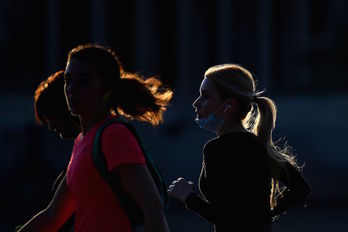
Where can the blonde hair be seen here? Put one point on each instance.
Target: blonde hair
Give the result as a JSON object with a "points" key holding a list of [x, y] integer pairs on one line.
{"points": [[257, 113]]}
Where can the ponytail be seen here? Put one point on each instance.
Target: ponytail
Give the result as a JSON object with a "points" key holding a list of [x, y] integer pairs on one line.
{"points": [[235, 81], [140, 99], [277, 157], [127, 94]]}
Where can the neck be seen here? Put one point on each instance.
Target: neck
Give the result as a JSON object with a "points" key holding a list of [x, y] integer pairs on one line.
{"points": [[88, 122], [231, 126]]}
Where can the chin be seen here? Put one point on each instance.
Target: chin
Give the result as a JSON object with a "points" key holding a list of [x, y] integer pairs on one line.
{"points": [[74, 112], [66, 136]]}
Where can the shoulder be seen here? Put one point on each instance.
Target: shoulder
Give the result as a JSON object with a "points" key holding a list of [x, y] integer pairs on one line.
{"points": [[236, 144], [117, 130], [119, 135], [232, 139], [120, 146]]}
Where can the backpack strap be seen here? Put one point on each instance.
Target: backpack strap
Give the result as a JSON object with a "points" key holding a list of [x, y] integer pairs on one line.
{"points": [[134, 214], [153, 168], [114, 182]]}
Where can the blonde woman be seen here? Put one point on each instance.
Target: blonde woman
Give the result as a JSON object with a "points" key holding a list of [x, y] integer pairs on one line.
{"points": [[242, 167]]}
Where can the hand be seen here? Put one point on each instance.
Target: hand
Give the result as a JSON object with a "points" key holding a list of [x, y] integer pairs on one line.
{"points": [[180, 189]]}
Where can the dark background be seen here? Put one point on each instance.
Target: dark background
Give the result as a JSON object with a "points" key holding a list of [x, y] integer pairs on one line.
{"points": [[297, 50]]}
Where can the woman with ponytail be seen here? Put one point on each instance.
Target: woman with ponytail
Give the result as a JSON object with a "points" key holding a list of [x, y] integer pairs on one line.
{"points": [[97, 89], [242, 169]]}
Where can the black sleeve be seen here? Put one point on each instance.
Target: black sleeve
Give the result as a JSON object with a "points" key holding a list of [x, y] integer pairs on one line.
{"points": [[296, 190], [197, 203], [202, 207]]}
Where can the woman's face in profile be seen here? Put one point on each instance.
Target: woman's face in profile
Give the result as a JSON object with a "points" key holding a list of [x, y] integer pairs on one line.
{"points": [[208, 100], [83, 88]]}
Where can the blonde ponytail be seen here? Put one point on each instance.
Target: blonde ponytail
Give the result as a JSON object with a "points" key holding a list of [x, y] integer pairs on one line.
{"points": [[277, 158], [233, 80]]}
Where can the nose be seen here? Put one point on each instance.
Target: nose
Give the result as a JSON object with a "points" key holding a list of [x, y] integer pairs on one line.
{"points": [[195, 104]]}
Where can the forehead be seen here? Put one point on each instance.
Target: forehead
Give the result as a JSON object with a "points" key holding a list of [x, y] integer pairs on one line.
{"points": [[208, 85], [80, 67]]}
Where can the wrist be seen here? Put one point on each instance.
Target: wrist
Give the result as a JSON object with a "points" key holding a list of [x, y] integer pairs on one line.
{"points": [[188, 196]]}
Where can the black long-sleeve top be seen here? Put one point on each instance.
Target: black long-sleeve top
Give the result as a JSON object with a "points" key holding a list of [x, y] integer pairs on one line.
{"points": [[235, 184]]}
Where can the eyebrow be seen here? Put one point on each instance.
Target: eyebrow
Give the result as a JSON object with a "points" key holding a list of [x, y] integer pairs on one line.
{"points": [[80, 74]]}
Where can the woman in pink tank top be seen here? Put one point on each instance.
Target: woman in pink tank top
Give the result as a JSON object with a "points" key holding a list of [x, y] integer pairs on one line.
{"points": [[97, 88]]}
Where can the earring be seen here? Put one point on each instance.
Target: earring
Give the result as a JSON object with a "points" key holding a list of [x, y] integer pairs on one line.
{"points": [[227, 107]]}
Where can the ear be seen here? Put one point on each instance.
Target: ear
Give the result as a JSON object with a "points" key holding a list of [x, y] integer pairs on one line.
{"points": [[230, 103], [227, 107]]}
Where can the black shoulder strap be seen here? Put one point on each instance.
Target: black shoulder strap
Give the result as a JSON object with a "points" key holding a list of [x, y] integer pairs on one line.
{"points": [[99, 159], [112, 180], [133, 212]]}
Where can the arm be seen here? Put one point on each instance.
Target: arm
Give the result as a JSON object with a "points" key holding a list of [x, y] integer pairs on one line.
{"points": [[54, 216], [297, 190], [138, 184], [183, 191], [203, 208]]}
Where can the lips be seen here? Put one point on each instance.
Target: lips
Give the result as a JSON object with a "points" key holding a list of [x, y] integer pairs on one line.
{"points": [[73, 104]]}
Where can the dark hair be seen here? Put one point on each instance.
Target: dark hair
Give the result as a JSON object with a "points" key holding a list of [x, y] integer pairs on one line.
{"points": [[49, 99], [128, 94], [105, 60]]}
